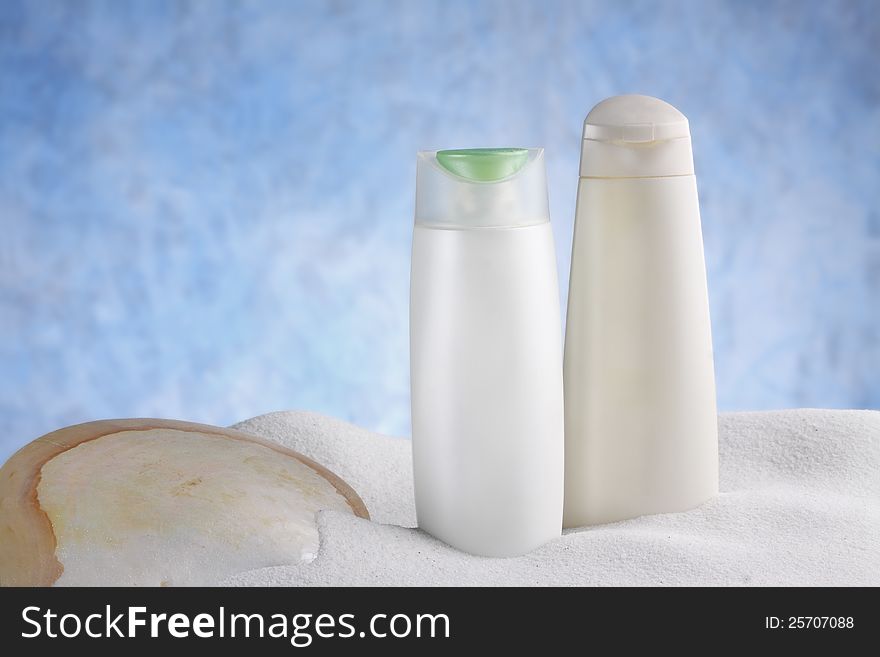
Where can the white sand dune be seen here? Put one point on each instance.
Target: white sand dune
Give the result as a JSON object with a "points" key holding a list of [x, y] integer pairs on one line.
{"points": [[800, 505]]}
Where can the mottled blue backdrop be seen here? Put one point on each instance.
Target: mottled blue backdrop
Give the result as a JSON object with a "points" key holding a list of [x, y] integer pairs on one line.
{"points": [[205, 207]]}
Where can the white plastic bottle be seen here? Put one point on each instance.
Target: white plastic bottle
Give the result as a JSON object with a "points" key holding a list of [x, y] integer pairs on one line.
{"points": [[486, 352], [640, 413]]}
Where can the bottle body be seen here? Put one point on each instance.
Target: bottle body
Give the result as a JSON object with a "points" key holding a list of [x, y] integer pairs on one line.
{"points": [[486, 380], [640, 410]]}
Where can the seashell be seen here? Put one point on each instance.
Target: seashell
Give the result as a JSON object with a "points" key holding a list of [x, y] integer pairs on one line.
{"points": [[158, 503]]}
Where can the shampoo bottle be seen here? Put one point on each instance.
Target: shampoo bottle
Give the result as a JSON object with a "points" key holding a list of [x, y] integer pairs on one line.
{"points": [[486, 352], [640, 415]]}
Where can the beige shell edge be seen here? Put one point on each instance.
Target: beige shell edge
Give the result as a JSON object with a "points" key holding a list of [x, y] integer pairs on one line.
{"points": [[27, 540]]}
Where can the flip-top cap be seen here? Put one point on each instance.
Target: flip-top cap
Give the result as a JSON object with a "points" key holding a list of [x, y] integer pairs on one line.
{"points": [[635, 136], [481, 188], [483, 164]]}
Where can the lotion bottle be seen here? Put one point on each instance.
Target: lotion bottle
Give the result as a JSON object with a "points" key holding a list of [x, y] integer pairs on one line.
{"points": [[486, 352], [640, 412]]}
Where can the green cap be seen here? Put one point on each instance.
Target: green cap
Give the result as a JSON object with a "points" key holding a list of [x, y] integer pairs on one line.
{"points": [[483, 164]]}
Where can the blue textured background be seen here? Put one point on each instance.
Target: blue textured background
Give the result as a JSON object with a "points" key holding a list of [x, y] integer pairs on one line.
{"points": [[205, 208]]}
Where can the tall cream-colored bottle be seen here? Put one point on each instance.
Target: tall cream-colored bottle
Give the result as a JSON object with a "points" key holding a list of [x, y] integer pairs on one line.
{"points": [[640, 412]]}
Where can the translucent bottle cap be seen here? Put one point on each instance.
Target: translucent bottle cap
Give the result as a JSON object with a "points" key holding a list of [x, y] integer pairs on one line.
{"points": [[636, 136], [481, 188]]}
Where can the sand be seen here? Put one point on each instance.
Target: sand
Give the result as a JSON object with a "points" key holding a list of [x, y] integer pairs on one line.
{"points": [[799, 505]]}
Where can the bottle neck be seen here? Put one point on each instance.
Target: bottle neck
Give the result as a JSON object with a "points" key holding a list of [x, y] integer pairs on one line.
{"points": [[653, 159]]}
